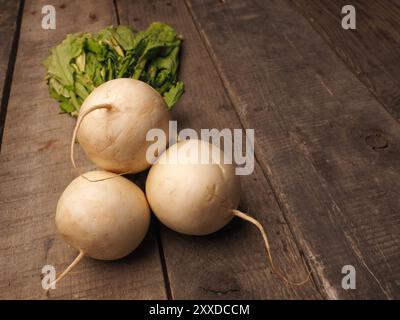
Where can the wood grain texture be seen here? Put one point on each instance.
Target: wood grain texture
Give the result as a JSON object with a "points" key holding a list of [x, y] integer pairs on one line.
{"points": [[372, 51], [9, 22], [230, 264], [35, 169], [330, 150]]}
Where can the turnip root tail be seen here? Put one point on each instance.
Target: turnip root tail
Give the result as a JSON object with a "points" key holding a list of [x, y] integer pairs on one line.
{"points": [[80, 256], [246, 217], [78, 124]]}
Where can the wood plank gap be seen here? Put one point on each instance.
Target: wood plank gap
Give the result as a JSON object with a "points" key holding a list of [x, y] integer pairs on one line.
{"points": [[10, 70], [167, 283], [115, 3]]}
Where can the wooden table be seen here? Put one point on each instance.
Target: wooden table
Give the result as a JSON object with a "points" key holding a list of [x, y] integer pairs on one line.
{"points": [[325, 106]]}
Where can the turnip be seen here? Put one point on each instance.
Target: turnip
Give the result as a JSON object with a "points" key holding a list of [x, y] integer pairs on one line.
{"points": [[192, 191], [103, 220], [113, 122]]}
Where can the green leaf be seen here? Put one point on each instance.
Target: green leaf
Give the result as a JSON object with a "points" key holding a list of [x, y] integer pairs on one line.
{"points": [[83, 61], [80, 61], [125, 37], [66, 107], [174, 94], [58, 64]]}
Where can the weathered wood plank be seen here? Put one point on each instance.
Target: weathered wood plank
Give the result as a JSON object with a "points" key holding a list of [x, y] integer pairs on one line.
{"points": [[371, 51], [230, 264], [35, 169], [9, 22], [330, 150]]}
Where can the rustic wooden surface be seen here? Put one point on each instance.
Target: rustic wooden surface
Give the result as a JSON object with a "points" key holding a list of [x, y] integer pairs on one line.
{"points": [[10, 15], [323, 103], [218, 266], [372, 52], [316, 129], [35, 170]]}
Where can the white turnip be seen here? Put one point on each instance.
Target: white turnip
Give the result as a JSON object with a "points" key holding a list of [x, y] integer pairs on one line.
{"points": [[190, 197], [192, 191], [113, 122], [104, 220]]}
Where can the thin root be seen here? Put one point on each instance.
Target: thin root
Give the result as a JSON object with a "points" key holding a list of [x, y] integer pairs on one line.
{"points": [[80, 256], [264, 235]]}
